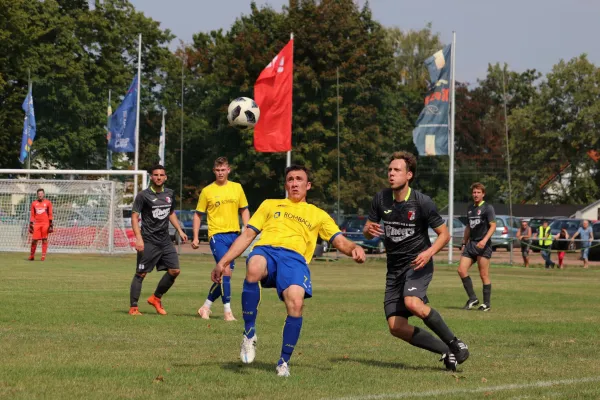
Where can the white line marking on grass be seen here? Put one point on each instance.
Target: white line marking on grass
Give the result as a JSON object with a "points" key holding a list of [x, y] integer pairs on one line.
{"points": [[432, 393]]}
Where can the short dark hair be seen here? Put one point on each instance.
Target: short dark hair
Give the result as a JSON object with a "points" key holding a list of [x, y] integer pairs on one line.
{"points": [[155, 167], [478, 185], [297, 167], [220, 161], [40, 190], [409, 159]]}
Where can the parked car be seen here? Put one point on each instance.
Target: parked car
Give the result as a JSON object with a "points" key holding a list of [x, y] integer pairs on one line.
{"points": [[458, 231], [595, 249], [571, 225], [506, 232], [186, 220], [352, 228]]}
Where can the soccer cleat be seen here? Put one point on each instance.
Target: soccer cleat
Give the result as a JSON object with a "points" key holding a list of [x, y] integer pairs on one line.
{"points": [[155, 301], [283, 370], [43, 258], [204, 312], [228, 316], [470, 304], [134, 311], [31, 258], [248, 349], [484, 307], [449, 361], [459, 350]]}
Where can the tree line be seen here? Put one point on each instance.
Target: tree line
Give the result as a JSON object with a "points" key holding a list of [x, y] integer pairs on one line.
{"points": [[77, 52]]}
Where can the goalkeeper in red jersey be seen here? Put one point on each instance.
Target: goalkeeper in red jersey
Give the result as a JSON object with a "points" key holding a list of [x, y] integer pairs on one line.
{"points": [[40, 223]]}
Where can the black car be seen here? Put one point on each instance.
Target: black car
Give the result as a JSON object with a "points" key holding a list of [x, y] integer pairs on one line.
{"points": [[595, 249]]}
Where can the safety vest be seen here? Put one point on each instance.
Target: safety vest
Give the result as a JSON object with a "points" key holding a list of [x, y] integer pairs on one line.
{"points": [[542, 234]]}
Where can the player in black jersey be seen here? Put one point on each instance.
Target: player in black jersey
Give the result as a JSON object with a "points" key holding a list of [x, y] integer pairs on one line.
{"points": [[153, 242], [477, 247], [406, 215]]}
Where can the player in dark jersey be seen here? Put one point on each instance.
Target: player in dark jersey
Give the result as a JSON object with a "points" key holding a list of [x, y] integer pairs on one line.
{"points": [[406, 215], [477, 247], [153, 242]]}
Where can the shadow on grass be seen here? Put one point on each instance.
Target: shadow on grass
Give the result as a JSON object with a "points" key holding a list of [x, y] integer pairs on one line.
{"points": [[385, 364]]}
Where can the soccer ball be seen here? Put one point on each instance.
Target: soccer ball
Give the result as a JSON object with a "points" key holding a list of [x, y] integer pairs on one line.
{"points": [[243, 112]]}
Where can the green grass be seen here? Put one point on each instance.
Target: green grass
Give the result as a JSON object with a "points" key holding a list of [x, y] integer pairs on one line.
{"points": [[65, 333]]}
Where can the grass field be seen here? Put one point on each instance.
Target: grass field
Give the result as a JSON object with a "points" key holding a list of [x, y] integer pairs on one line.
{"points": [[65, 333]]}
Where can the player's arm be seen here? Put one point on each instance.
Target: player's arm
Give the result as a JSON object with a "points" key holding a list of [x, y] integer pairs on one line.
{"points": [[490, 232], [31, 218], [196, 226], [466, 235], [245, 213], [175, 222], [237, 248], [50, 217], [425, 256], [372, 229], [135, 225], [349, 248]]}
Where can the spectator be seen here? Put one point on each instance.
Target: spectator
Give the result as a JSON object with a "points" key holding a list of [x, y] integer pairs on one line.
{"points": [[586, 235]]}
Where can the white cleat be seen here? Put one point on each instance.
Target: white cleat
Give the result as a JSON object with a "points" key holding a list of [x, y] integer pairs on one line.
{"points": [[283, 370], [228, 316], [248, 349], [204, 312]]}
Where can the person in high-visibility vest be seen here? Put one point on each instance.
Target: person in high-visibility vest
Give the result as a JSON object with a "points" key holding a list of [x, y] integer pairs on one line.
{"points": [[545, 242]]}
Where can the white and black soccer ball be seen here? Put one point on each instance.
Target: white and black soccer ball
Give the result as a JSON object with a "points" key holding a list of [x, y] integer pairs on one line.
{"points": [[243, 112]]}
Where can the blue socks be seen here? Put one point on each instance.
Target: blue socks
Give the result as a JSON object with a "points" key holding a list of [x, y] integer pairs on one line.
{"points": [[226, 289], [250, 300], [215, 292], [291, 333]]}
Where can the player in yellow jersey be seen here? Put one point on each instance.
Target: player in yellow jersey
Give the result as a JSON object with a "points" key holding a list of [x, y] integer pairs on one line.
{"points": [[289, 231], [221, 201]]}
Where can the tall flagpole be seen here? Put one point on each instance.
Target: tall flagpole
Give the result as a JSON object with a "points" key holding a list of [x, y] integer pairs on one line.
{"points": [[508, 164], [137, 119], [451, 151], [337, 89], [288, 160], [29, 90], [181, 142]]}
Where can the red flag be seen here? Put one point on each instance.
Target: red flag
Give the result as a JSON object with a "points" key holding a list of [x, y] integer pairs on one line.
{"points": [[273, 94]]}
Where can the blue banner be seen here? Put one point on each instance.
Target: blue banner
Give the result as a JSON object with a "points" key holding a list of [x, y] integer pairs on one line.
{"points": [[431, 134], [121, 125], [29, 127]]}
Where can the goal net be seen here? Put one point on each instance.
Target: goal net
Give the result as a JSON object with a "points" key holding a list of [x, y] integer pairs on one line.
{"points": [[88, 215]]}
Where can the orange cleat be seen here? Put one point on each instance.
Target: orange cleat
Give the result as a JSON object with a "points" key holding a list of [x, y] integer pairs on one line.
{"points": [[155, 301], [31, 258], [43, 258], [134, 311]]}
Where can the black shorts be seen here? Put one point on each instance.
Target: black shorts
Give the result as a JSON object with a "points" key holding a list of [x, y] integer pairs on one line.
{"points": [[471, 251], [401, 283], [162, 256]]}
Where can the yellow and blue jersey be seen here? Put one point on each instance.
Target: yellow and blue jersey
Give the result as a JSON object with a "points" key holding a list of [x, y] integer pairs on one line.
{"points": [[292, 226], [221, 203]]}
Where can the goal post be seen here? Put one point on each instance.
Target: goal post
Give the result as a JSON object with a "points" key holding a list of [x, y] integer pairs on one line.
{"points": [[87, 213]]}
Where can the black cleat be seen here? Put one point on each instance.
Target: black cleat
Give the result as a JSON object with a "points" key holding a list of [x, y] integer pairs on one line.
{"points": [[459, 350], [471, 304], [449, 361], [484, 307]]}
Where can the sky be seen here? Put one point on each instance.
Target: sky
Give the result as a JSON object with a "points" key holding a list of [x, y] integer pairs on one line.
{"points": [[522, 33]]}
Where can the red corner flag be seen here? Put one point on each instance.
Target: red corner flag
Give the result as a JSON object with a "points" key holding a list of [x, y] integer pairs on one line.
{"points": [[273, 94]]}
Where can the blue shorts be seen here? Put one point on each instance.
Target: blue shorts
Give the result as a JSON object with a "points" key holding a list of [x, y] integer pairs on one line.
{"points": [[220, 244], [585, 253], [284, 269]]}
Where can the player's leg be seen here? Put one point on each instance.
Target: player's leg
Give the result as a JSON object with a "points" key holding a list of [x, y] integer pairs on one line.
{"points": [[33, 248], [224, 246], [37, 235], [483, 262], [257, 269], [145, 262], [44, 230], [293, 286], [466, 261], [215, 290], [168, 261]]}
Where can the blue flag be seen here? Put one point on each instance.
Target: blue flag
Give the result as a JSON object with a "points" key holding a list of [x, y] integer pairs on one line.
{"points": [[431, 134], [29, 127], [121, 125]]}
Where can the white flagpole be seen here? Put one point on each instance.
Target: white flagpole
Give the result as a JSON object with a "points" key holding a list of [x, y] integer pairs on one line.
{"points": [[451, 151], [162, 139], [137, 119], [29, 91], [510, 210], [288, 160]]}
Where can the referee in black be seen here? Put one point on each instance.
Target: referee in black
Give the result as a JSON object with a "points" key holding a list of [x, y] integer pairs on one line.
{"points": [[156, 205], [477, 247], [406, 215]]}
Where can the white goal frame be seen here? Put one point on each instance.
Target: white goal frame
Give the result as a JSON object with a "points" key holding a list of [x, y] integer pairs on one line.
{"points": [[99, 173]]}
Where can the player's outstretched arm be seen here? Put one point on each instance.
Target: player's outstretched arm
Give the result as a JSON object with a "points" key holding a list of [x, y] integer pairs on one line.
{"points": [[349, 248], [237, 248]]}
